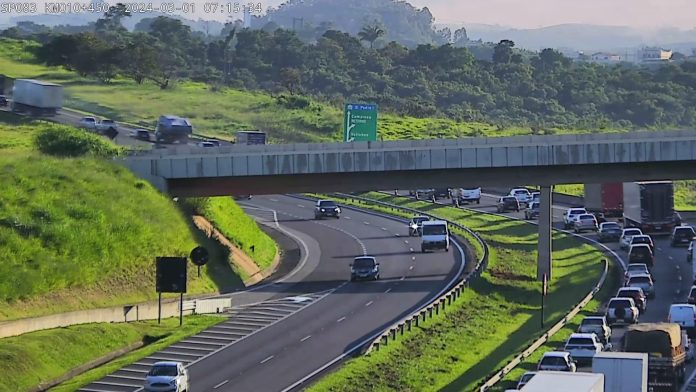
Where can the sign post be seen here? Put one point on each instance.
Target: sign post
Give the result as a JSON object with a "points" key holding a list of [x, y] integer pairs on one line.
{"points": [[170, 278], [544, 290], [360, 122]]}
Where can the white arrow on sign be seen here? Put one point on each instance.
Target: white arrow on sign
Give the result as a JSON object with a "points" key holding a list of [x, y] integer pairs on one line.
{"points": [[349, 127]]}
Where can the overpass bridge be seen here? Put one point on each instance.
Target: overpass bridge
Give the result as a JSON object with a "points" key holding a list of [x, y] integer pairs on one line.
{"points": [[504, 161]]}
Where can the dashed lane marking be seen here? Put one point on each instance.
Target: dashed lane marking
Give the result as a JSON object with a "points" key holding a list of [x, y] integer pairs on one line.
{"points": [[267, 359], [305, 338], [369, 303], [221, 384], [341, 319]]}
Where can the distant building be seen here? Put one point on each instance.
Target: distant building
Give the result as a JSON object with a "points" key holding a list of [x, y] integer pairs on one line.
{"points": [[606, 58], [649, 54]]}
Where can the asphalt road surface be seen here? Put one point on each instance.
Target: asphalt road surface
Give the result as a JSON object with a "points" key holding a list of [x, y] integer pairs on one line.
{"points": [[280, 333]]}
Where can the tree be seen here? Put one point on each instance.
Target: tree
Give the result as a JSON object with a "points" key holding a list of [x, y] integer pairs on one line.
{"points": [[141, 58], [460, 36], [502, 53], [111, 22], [290, 78], [371, 33]]}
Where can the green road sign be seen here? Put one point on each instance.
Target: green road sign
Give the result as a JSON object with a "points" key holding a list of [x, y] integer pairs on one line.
{"points": [[360, 123]]}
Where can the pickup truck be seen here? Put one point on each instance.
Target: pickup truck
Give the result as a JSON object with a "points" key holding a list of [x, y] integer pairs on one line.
{"points": [[597, 325], [583, 347], [106, 125]]}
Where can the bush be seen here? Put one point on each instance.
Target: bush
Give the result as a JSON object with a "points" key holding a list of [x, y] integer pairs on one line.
{"points": [[293, 102], [66, 141]]}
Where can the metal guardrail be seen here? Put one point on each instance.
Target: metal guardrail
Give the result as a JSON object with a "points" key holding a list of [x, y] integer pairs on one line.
{"points": [[207, 306], [438, 304], [497, 377]]}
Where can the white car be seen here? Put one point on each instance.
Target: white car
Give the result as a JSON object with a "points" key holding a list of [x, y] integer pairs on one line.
{"points": [[559, 361], [684, 315], [205, 144], [644, 281], [167, 377], [522, 195], [585, 222], [627, 236], [583, 347], [466, 195], [636, 269], [106, 124], [622, 310], [89, 123], [571, 215]]}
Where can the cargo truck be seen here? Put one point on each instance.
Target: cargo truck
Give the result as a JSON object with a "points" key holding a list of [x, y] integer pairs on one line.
{"points": [[649, 206], [171, 129], [250, 138], [36, 97], [606, 198], [623, 372], [566, 382], [666, 353]]}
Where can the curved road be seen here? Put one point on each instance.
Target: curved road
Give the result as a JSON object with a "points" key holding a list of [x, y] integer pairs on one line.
{"points": [[281, 333]]}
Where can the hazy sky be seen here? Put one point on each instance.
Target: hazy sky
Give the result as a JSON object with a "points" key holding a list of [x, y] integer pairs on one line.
{"points": [[537, 13]]}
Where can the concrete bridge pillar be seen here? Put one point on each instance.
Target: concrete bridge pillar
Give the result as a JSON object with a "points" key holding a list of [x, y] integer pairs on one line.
{"points": [[545, 225]]}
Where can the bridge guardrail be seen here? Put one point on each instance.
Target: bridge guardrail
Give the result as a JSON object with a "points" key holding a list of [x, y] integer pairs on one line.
{"points": [[442, 301]]}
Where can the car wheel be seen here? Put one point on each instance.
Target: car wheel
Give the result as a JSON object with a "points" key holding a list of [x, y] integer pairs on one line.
{"points": [[478, 201], [422, 250], [377, 277], [447, 249]]}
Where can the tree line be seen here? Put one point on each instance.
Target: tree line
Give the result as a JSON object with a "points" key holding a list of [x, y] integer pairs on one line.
{"points": [[514, 87]]}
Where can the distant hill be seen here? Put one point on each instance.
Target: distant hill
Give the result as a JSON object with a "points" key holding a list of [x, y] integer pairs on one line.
{"points": [[402, 21]]}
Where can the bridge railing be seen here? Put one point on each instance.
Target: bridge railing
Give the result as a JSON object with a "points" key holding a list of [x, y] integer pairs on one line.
{"points": [[444, 299]]}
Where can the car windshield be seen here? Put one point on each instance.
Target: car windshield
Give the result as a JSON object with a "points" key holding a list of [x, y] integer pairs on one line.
{"points": [[640, 240], [586, 217], [620, 302], [434, 230], [628, 293], [521, 192], [534, 205], [163, 370], [640, 280], [576, 212], [640, 250], [611, 226], [143, 133], [364, 263], [327, 203], [692, 293], [88, 119], [592, 321], [526, 377], [685, 232], [420, 219], [579, 342], [553, 361], [637, 268], [471, 189], [632, 232], [107, 121], [509, 200]]}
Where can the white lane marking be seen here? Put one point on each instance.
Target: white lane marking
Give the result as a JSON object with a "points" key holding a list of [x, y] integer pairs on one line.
{"points": [[274, 200], [301, 206], [221, 384], [670, 257], [403, 278], [347, 217], [367, 223], [678, 267], [384, 229], [413, 257], [369, 303], [411, 249], [388, 290], [410, 268], [658, 248], [679, 277], [397, 234], [341, 319], [267, 359], [305, 338], [406, 241]]}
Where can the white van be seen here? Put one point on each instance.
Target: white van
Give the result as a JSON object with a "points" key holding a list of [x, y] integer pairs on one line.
{"points": [[684, 315], [435, 235]]}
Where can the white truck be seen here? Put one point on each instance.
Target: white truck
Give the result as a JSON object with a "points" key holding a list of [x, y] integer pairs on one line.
{"points": [[566, 382], [623, 372], [36, 97]]}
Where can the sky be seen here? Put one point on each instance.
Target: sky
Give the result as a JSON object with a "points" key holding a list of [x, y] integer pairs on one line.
{"points": [[540, 13]]}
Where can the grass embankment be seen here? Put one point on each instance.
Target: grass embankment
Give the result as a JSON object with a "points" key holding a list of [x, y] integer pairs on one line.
{"points": [[243, 231], [38, 357], [80, 233], [233, 110], [495, 319]]}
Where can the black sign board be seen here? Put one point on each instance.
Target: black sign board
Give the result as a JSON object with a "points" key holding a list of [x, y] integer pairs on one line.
{"points": [[171, 275], [199, 256]]}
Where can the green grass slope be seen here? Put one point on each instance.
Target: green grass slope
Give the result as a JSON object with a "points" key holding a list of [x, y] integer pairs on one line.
{"points": [[497, 317], [81, 232], [38, 357]]}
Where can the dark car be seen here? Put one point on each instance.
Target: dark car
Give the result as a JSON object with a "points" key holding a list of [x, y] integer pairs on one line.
{"points": [[643, 239], [599, 216], [415, 226], [641, 253], [508, 203], [326, 208], [682, 235], [638, 297], [609, 232], [3, 100], [532, 211], [364, 268], [690, 252], [692, 296], [140, 134], [441, 193]]}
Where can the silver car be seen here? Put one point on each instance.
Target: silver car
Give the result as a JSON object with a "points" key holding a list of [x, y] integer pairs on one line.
{"points": [[627, 236], [167, 377], [622, 310], [585, 222], [644, 281]]}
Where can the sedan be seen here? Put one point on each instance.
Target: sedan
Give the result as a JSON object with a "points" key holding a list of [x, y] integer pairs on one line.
{"points": [[167, 376], [3, 100], [644, 281], [140, 134], [626, 235], [585, 222], [609, 232]]}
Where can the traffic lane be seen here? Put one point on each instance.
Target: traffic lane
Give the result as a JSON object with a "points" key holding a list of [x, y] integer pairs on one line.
{"points": [[123, 138], [330, 323]]}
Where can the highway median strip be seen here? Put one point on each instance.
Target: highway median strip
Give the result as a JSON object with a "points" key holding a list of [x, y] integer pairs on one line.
{"points": [[495, 318]]}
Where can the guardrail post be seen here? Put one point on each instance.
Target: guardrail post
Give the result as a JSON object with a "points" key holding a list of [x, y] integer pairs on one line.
{"points": [[393, 333], [408, 323], [376, 346], [430, 312], [401, 329], [386, 339]]}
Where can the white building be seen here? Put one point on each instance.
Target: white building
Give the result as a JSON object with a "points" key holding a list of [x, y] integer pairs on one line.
{"points": [[606, 58], [655, 54]]}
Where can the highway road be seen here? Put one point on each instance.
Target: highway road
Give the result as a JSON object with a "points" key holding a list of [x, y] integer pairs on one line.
{"points": [[672, 273], [283, 332]]}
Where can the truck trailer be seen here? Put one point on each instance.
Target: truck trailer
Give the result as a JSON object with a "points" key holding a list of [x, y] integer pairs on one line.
{"points": [[251, 138], [623, 372], [649, 206], [663, 342], [566, 382], [606, 198], [36, 97]]}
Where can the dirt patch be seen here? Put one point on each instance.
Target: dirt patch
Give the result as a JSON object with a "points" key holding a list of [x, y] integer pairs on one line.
{"points": [[507, 275], [237, 257]]}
